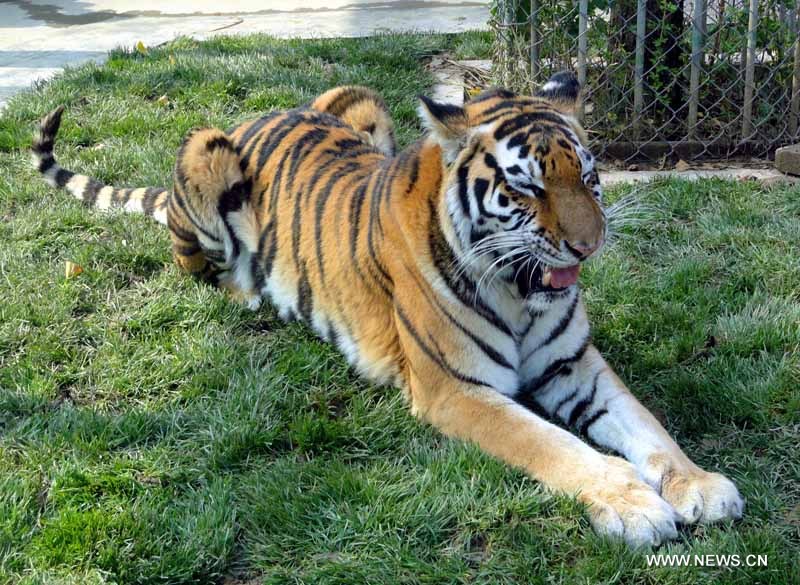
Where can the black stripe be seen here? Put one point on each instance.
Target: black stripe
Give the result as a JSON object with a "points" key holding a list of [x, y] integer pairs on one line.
{"points": [[564, 400], [442, 111], [535, 315], [558, 330], [463, 190], [231, 201], [234, 197], [261, 263], [63, 177], [436, 356], [179, 231], [46, 163], [149, 199], [463, 180], [90, 191], [529, 119], [583, 404], [515, 104], [318, 173], [559, 367], [251, 132], [378, 271], [121, 196], [345, 144], [189, 250], [216, 256], [584, 429], [305, 300], [219, 142], [276, 183], [356, 204], [412, 154], [182, 203], [490, 351], [274, 140], [43, 147], [462, 287], [296, 230], [322, 199], [495, 92], [305, 144], [345, 100]]}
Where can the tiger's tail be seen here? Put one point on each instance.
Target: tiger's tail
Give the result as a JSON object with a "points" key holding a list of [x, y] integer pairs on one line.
{"points": [[151, 201]]}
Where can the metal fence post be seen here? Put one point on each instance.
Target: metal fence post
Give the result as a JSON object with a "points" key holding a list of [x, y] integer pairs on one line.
{"points": [[638, 82], [698, 40], [749, 73], [534, 17], [583, 20], [506, 10], [623, 52], [794, 108]]}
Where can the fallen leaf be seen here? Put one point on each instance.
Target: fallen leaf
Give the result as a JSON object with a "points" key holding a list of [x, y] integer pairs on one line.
{"points": [[172, 60], [163, 100], [141, 48], [72, 270], [682, 165]]}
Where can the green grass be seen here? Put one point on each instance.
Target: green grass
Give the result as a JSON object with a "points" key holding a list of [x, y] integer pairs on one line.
{"points": [[153, 432]]}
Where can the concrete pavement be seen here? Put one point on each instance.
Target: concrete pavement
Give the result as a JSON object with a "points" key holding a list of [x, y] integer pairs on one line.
{"points": [[39, 37]]}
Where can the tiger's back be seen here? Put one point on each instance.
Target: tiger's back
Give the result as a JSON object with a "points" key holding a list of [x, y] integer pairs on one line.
{"points": [[282, 206]]}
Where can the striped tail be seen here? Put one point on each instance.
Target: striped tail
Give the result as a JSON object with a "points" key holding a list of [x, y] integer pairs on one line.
{"points": [[151, 201]]}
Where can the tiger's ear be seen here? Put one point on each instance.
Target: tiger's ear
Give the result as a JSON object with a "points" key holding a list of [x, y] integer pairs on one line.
{"points": [[562, 90], [447, 124]]}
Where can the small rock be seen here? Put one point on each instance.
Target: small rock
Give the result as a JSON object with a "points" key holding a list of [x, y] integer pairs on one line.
{"points": [[787, 159]]}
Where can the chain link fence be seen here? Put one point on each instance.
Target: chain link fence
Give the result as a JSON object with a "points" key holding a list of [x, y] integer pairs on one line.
{"points": [[663, 79]]}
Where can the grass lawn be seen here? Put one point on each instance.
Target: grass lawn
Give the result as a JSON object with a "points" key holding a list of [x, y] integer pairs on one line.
{"points": [[153, 432]]}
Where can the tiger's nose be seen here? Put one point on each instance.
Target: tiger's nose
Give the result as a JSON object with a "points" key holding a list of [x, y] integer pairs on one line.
{"points": [[582, 250]]}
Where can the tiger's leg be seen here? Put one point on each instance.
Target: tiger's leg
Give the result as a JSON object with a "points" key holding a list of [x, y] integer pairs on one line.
{"points": [[592, 399], [444, 391], [212, 224], [363, 110], [192, 259]]}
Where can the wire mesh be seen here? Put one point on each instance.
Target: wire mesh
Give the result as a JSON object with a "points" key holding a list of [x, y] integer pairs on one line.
{"points": [[663, 79]]}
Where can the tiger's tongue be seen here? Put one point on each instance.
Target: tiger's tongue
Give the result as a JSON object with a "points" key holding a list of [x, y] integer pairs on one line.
{"points": [[564, 277]]}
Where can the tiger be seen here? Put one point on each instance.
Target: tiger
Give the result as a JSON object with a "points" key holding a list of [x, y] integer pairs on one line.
{"points": [[449, 270]]}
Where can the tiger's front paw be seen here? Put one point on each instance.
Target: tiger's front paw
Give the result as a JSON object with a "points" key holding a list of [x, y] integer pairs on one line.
{"points": [[705, 498], [621, 505], [697, 495]]}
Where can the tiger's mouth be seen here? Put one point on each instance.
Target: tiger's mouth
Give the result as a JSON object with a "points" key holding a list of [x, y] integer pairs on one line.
{"points": [[560, 278], [546, 279]]}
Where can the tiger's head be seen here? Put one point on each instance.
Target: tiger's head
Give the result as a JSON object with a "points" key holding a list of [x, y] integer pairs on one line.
{"points": [[521, 189]]}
